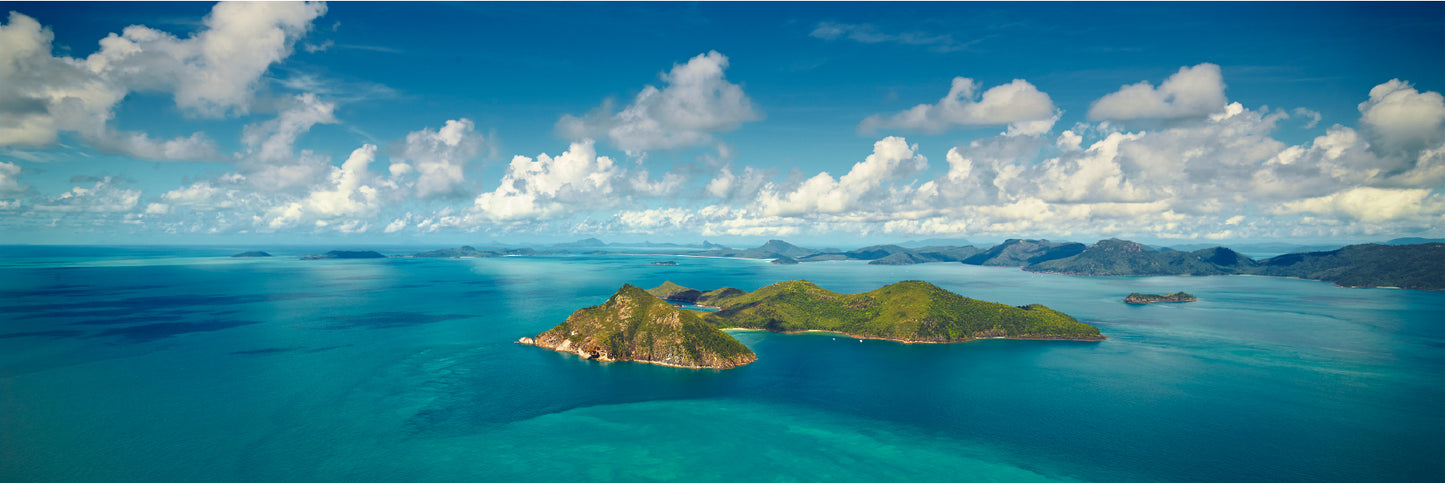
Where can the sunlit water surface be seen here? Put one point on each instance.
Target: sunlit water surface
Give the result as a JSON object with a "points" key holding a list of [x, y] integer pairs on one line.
{"points": [[169, 364]]}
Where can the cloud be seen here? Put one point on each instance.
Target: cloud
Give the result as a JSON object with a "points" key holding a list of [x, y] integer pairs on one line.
{"points": [[869, 34], [1210, 177], [440, 157], [545, 187], [696, 101], [196, 147], [737, 186], [274, 140], [1191, 92], [10, 178], [642, 184], [1370, 204], [1021, 105], [1400, 118], [270, 161], [1313, 116], [208, 196], [652, 220], [41, 95], [1069, 141], [216, 71], [399, 224], [213, 73], [102, 197], [345, 200], [893, 158]]}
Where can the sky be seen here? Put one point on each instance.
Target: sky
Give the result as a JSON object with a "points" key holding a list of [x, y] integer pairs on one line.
{"points": [[839, 124]]}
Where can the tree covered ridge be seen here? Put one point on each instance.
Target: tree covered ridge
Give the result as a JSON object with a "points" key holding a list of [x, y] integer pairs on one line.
{"points": [[913, 311]]}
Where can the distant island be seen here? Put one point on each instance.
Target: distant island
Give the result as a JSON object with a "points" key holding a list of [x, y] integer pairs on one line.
{"points": [[784, 260], [466, 251], [665, 263], [635, 326], [640, 325], [251, 254], [786, 253], [1137, 298], [337, 254], [1418, 266], [1407, 263]]}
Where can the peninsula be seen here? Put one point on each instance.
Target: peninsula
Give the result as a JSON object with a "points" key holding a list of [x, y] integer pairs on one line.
{"points": [[1137, 298], [251, 254]]}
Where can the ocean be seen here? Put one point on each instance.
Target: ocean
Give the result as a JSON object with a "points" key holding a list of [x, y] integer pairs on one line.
{"points": [[183, 364]]}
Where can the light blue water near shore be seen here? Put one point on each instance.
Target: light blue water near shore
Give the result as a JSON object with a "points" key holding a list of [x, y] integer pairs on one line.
{"points": [[180, 364]]}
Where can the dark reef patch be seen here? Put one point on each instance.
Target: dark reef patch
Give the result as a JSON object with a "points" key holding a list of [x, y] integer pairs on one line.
{"points": [[150, 332], [386, 320]]}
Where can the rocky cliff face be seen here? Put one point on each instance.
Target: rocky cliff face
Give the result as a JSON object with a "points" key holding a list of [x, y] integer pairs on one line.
{"points": [[636, 326]]}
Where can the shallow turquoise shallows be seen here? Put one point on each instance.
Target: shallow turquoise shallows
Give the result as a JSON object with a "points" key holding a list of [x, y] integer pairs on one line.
{"points": [[182, 364]]}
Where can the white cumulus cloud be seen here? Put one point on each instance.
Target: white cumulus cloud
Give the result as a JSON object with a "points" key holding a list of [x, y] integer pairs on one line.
{"points": [[440, 157], [346, 199], [893, 158], [10, 178], [105, 196], [696, 101], [1402, 118], [212, 73], [1019, 104], [1191, 92], [546, 186], [1369, 204], [215, 71]]}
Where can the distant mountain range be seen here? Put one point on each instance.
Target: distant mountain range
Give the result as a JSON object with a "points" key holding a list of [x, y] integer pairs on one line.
{"points": [[1281, 247], [1413, 266], [1412, 263], [875, 255], [596, 244]]}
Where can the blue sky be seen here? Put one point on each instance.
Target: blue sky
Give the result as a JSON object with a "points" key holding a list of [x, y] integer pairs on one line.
{"points": [[831, 123]]}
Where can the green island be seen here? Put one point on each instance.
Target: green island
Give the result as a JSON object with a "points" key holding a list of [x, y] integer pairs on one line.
{"points": [[636, 326], [343, 254], [909, 311], [1137, 298], [641, 325]]}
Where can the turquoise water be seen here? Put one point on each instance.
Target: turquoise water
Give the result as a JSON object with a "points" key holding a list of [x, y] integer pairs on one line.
{"points": [[167, 364]]}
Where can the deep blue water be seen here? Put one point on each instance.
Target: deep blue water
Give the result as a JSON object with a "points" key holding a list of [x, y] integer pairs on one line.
{"points": [[171, 364]]}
